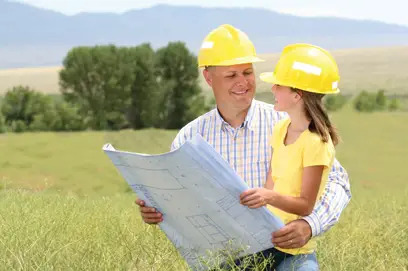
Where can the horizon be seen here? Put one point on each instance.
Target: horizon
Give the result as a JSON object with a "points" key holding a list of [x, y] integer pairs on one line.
{"points": [[314, 8]]}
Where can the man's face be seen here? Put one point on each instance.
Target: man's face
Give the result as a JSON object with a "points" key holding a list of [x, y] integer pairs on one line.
{"points": [[233, 86]]}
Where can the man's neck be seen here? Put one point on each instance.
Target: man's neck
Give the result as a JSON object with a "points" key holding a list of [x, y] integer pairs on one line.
{"points": [[235, 118]]}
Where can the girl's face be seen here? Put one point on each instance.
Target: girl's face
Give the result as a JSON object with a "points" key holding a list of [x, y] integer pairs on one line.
{"points": [[285, 98]]}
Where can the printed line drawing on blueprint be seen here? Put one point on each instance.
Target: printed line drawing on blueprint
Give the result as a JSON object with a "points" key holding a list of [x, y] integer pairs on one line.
{"points": [[209, 229], [197, 192]]}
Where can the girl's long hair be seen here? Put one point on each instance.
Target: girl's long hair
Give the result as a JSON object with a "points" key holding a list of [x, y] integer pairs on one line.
{"points": [[319, 119]]}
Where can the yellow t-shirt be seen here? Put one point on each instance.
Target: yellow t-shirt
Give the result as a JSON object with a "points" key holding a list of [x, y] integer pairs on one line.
{"points": [[287, 169]]}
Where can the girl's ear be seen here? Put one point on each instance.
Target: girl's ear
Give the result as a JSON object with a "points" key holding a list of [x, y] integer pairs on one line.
{"points": [[298, 95]]}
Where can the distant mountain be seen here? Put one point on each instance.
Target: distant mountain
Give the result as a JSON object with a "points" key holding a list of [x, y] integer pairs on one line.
{"points": [[30, 36]]}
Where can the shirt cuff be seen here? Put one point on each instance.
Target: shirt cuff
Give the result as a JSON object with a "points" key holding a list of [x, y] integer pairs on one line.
{"points": [[314, 224]]}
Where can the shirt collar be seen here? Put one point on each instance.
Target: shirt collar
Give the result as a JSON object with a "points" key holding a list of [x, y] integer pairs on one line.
{"points": [[251, 116], [248, 122]]}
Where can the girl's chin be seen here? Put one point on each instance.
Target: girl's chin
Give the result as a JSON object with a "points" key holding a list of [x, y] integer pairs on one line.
{"points": [[276, 107]]}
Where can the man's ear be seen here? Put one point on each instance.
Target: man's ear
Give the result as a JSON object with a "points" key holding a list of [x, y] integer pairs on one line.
{"points": [[208, 77]]}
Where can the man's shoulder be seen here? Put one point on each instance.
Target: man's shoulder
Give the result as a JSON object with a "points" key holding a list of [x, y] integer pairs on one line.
{"points": [[197, 122], [265, 106], [268, 113], [193, 127], [208, 116]]}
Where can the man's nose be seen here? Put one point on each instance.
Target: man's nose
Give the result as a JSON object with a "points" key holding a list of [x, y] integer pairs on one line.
{"points": [[242, 80]]}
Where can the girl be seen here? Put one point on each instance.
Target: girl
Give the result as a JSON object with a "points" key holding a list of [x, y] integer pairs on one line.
{"points": [[303, 144]]}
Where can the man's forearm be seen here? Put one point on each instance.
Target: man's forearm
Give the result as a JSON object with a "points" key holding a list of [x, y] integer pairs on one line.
{"points": [[328, 209]]}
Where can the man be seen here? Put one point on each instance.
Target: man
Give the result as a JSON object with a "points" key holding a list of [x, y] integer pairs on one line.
{"points": [[239, 129]]}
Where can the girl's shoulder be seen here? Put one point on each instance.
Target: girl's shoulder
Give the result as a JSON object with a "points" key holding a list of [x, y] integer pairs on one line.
{"points": [[316, 152], [314, 141], [281, 125], [279, 132]]}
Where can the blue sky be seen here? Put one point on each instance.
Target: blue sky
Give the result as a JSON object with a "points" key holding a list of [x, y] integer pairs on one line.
{"points": [[391, 11]]}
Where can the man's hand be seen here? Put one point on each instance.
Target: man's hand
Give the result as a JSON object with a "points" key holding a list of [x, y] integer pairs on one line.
{"points": [[149, 214], [295, 234]]}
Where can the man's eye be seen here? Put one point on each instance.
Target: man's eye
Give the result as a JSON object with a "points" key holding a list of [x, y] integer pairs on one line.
{"points": [[247, 73], [231, 76]]}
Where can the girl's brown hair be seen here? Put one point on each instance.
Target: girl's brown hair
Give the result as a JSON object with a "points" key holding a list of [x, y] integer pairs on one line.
{"points": [[319, 119]]}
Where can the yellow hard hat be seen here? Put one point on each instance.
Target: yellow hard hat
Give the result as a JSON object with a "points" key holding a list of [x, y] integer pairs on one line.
{"points": [[306, 67], [226, 46]]}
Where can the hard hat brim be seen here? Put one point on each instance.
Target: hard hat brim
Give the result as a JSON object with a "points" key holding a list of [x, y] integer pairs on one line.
{"points": [[235, 61], [269, 77]]}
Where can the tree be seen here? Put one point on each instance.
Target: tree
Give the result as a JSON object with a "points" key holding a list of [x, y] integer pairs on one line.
{"points": [[98, 79], [143, 91], [68, 118], [62, 117], [365, 102], [177, 75], [334, 102], [46, 121], [381, 100], [3, 126], [394, 104], [18, 126], [22, 106]]}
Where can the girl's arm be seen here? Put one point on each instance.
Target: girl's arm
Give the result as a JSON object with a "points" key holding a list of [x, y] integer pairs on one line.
{"points": [[269, 181], [304, 204]]}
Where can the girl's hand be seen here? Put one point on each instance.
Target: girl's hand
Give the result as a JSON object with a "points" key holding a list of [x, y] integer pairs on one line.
{"points": [[256, 197]]}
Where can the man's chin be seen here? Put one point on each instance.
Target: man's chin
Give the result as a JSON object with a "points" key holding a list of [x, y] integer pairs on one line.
{"points": [[244, 102], [244, 98]]}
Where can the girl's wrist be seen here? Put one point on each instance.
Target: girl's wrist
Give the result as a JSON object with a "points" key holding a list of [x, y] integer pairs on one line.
{"points": [[271, 199]]}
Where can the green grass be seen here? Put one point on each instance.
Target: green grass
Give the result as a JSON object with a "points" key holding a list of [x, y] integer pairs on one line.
{"points": [[72, 212], [72, 162], [47, 231], [373, 151], [372, 235]]}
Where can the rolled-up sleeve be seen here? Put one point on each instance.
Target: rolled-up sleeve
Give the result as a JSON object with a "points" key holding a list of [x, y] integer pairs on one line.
{"points": [[335, 198]]}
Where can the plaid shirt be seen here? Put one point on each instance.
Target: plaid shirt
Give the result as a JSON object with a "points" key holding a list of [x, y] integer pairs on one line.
{"points": [[247, 150]]}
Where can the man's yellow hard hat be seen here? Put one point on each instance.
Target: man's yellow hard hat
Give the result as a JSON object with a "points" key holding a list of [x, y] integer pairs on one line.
{"points": [[226, 46], [306, 67]]}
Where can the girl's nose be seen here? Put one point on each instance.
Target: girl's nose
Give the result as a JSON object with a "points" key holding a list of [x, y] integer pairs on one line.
{"points": [[273, 88]]}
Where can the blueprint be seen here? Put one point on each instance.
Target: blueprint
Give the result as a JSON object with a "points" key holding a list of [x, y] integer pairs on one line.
{"points": [[197, 192]]}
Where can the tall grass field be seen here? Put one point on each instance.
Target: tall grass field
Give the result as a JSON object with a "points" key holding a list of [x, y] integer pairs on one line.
{"points": [[63, 206]]}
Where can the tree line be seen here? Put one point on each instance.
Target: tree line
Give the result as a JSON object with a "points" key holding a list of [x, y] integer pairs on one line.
{"points": [[111, 88], [364, 102]]}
